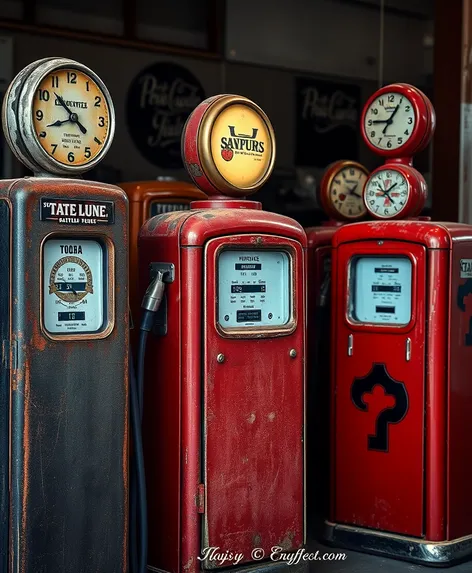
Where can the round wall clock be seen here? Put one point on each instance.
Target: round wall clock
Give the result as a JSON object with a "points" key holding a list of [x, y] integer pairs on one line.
{"points": [[58, 117], [341, 190], [398, 120], [395, 191]]}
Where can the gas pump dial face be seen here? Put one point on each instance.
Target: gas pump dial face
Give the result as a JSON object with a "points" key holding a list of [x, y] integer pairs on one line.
{"points": [[74, 286]]}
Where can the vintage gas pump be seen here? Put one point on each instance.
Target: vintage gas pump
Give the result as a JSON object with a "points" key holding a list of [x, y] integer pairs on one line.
{"points": [[146, 199], [225, 370], [402, 352], [64, 329], [340, 196]]}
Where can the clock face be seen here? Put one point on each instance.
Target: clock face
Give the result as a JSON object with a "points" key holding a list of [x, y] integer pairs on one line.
{"points": [[71, 117], [386, 193], [389, 121], [345, 191]]}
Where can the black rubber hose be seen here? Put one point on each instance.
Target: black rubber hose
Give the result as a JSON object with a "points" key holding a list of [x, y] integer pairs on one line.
{"points": [[138, 505]]}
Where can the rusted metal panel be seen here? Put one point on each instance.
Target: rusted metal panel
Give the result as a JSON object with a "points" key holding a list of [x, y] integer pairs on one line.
{"points": [[174, 385], [253, 423], [69, 402]]}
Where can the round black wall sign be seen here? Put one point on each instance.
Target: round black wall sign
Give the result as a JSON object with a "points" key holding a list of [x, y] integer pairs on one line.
{"points": [[160, 99]]}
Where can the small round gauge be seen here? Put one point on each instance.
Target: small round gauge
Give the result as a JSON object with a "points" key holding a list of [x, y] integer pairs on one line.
{"points": [[394, 191], [63, 116], [397, 121], [71, 279], [341, 190]]}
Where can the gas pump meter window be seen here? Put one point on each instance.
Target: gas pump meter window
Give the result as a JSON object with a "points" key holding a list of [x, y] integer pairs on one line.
{"points": [[74, 286], [380, 290], [254, 289]]}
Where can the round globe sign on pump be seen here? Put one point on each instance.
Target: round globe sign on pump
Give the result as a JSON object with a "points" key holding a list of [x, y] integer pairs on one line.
{"points": [[228, 145]]}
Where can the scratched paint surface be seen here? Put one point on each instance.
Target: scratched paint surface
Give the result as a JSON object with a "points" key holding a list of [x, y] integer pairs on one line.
{"points": [[253, 426], [69, 404]]}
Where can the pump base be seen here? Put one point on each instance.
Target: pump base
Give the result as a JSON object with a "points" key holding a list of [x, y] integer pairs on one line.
{"points": [[265, 567], [431, 554]]}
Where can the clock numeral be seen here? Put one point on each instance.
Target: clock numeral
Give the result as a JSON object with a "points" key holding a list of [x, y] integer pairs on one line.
{"points": [[43, 95], [376, 208], [406, 132], [98, 99], [410, 120], [372, 134], [101, 121], [395, 207], [337, 181], [400, 140], [407, 108], [389, 144], [371, 202], [350, 211], [71, 157], [42, 134], [385, 211], [375, 111], [87, 86], [351, 171], [381, 102], [71, 78], [380, 139], [359, 207], [87, 152], [55, 81], [39, 115], [389, 175], [54, 147], [344, 175], [391, 98], [369, 123]]}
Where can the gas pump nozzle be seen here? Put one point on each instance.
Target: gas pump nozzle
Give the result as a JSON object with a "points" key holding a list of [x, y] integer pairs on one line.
{"points": [[152, 300]]}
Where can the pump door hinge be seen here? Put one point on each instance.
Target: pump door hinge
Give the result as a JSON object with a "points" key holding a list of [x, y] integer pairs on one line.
{"points": [[201, 498]]}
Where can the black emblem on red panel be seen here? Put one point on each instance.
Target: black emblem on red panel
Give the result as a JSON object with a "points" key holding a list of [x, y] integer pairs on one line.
{"points": [[379, 376]]}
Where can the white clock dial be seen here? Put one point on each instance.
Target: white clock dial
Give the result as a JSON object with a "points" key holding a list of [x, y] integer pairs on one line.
{"points": [[386, 193], [346, 191], [389, 121]]}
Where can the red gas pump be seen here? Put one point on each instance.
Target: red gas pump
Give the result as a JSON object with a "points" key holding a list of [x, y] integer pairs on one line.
{"points": [[340, 196], [401, 340], [225, 368]]}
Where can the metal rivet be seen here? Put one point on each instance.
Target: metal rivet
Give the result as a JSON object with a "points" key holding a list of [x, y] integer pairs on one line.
{"points": [[259, 241], [380, 243], [293, 353], [220, 358]]}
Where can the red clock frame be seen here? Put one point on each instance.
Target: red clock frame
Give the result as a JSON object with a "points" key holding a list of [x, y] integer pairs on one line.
{"points": [[417, 191], [425, 121]]}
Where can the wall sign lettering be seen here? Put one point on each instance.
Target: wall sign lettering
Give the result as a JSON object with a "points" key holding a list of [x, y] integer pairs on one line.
{"points": [[327, 122], [160, 99]]}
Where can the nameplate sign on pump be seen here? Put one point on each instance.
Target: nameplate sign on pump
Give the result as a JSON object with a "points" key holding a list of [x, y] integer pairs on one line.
{"points": [[77, 212]]}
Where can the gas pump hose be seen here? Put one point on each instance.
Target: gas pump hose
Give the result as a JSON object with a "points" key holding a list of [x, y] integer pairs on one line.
{"points": [[138, 506]]}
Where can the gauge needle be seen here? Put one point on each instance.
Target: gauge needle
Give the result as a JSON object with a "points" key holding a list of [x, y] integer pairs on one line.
{"points": [[72, 116]]}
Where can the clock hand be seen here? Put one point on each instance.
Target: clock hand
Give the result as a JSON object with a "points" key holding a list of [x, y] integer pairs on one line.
{"points": [[380, 121], [57, 123], [72, 116], [390, 119], [63, 103]]}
